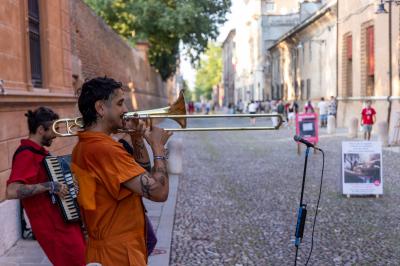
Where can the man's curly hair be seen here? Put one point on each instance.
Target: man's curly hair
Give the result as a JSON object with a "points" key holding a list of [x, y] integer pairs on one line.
{"points": [[100, 88]]}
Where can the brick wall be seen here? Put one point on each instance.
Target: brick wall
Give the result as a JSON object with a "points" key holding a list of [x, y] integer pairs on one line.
{"points": [[99, 51], [19, 94], [78, 45]]}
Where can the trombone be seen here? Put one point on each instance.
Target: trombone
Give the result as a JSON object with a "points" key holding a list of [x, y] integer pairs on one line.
{"points": [[176, 111]]}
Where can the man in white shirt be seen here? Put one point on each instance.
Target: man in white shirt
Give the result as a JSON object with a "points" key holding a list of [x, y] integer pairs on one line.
{"points": [[323, 112], [252, 110]]}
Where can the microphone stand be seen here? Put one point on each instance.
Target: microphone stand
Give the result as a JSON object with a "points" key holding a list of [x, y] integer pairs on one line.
{"points": [[302, 213]]}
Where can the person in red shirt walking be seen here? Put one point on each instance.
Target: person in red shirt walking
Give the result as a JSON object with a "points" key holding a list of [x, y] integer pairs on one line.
{"points": [[368, 117], [63, 243]]}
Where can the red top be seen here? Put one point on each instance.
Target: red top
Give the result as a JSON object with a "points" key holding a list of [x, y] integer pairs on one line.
{"points": [[63, 243], [367, 116]]}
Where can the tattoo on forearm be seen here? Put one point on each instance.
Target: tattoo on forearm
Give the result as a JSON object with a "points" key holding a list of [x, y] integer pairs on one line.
{"points": [[146, 165], [25, 191], [139, 149], [160, 174], [145, 185]]}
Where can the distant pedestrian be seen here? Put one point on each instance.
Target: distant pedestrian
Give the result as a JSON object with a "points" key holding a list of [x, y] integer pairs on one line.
{"points": [[191, 107], [197, 107], [231, 109], [296, 106], [240, 106], [267, 107], [323, 112], [291, 114], [208, 107], [368, 118], [281, 108], [252, 110], [332, 107], [308, 107]]}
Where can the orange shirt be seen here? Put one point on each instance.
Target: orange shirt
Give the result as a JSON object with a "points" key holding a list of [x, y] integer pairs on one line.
{"points": [[114, 215]]}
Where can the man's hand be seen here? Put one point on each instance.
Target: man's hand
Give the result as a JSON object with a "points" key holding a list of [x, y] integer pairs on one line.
{"points": [[137, 127], [59, 189], [76, 186], [157, 137]]}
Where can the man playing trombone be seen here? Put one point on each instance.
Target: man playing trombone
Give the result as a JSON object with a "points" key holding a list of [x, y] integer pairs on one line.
{"points": [[111, 182]]}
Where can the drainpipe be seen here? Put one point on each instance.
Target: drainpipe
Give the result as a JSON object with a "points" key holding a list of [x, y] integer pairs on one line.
{"points": [[337, 49], [2, 90], [390, 64]]}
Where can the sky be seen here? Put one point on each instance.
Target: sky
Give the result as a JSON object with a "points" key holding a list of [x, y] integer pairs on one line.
{"points": [[189, 74]]}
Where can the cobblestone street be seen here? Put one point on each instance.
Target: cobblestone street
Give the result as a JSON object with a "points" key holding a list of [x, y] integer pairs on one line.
{"points": [[238, 198]]}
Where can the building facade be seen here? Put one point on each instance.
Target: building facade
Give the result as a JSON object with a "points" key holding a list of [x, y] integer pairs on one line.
{"points": [[47, 54], [303, 61], [36, 70], [364, 61], [262, 23], [228, 64]]}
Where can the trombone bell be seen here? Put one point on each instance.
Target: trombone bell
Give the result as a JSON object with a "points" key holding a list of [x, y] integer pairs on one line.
{"points": [[178, 109]]}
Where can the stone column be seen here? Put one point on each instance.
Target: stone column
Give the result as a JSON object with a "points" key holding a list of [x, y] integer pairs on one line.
{"points": [[395, 129], [353, 128], [383, 133], [175, 156], [331, 128]]}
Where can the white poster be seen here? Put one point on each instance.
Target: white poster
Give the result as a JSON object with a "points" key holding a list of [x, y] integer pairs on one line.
{"points": [[362, 168]]}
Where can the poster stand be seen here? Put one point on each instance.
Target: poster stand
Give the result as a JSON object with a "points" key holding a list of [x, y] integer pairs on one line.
{"points": [[307, 128], [349, 196], [362, 169]]}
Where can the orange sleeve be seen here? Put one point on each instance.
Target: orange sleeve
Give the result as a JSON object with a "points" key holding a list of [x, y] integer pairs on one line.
{"points": [[114, 166]]}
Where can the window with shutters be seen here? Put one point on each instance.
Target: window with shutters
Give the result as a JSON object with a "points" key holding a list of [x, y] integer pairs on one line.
{"points": [[347, 65], [34, 43], [370, 61]]}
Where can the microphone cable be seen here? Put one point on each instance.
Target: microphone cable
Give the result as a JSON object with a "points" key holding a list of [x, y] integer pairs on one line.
{"points": [[316, 209]]}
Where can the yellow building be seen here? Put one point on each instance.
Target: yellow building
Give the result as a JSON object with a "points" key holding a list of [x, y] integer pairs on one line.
{"points": [[366, 70], [303, 60]]}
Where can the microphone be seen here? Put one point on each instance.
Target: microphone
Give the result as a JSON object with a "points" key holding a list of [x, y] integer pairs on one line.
{"points": [[305, 142]]}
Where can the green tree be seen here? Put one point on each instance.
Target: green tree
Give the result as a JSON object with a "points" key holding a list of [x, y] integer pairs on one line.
{"points": [[209, 71], [188, 92], [165, 24]]}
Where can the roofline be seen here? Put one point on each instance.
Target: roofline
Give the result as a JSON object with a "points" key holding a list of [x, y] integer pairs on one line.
{"points": [[227, 36], [303, 25]]}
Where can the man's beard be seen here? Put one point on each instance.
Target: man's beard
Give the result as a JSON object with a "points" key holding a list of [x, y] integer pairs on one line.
{"points": [[117, 124], [46, 141]]}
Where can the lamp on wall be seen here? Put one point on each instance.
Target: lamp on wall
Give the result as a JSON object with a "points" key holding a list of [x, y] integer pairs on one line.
{"points": [[381, 10], [2, 90]]}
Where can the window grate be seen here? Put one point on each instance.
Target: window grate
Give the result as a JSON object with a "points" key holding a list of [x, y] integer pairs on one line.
{"points": [[34, 43]]}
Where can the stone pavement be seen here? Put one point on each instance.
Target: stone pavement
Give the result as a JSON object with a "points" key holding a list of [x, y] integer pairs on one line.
{"points": [[237, 205], [239, 194], [29, 253]]}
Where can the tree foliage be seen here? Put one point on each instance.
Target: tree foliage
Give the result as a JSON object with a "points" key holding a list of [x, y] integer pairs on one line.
{"points": [[188, 92], [165, 24], [209, 72]]}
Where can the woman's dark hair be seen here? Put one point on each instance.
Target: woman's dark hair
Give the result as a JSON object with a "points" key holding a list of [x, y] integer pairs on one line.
{"points": [[92, 91], [42, 116]]}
